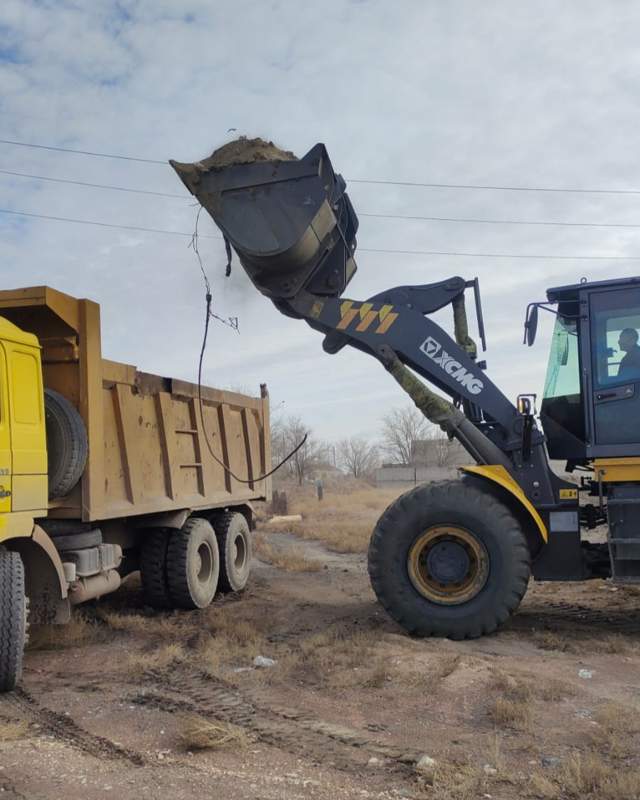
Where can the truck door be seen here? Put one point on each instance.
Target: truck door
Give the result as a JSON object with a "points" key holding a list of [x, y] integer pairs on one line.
{"points": [[5, 438], [615, 353]]}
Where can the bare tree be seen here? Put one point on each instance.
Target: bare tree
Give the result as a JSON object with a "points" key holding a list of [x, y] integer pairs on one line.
{"points": [[358, 456], [440, 446], [401, 429], [286, 435]]}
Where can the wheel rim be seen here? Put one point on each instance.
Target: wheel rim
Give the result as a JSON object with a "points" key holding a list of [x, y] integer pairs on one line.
{"points": [[204, 563], [448, 565], [239, 551]]}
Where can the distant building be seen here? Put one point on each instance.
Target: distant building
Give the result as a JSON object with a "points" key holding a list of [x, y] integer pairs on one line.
{"points": [[433, 460]]}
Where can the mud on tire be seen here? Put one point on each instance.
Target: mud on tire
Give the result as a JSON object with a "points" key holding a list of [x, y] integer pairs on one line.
{"points": [[428, 591], [13, 619]]}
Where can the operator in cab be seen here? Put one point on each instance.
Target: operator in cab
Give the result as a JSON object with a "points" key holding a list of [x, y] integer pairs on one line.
{"points": [[630, 364]]}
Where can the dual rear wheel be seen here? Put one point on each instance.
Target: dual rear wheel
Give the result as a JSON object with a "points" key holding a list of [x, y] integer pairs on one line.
{"points": [[449, 559], [184, 568]]}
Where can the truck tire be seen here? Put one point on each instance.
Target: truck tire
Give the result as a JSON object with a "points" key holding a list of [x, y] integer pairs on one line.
{"points": [[13, 619], [153, 568], [234, 542], [193, 564], [67, 445], [77, 541], [448, 559]]}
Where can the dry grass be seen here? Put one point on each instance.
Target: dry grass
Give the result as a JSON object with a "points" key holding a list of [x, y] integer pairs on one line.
{"points": [[457, 782], [163, 658], [433, 675], [513, 708], [335, 658], [614, 644], [344, 519], [290, 559], [588, 775], [617, 727], [198, 733], [140, 624], [80, 630], [12, 731]]}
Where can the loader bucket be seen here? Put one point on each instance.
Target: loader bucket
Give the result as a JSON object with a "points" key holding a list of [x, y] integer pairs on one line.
{"points": [[290, 221]]}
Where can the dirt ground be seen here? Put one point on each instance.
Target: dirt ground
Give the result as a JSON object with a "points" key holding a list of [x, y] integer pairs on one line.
{"points": [[129, 703]]}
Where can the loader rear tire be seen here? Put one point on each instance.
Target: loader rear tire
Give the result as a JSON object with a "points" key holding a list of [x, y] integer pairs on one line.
{"points": [[153, 568], [67, 444], [13, 619], [448, 559], [234, 542], [193, 565]]}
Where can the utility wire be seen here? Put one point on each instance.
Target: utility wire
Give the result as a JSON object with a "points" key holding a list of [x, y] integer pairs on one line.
{"points": [[90, 185], [360, 249], [104, 224], [410, 217], [82, 152], [377, 181]]}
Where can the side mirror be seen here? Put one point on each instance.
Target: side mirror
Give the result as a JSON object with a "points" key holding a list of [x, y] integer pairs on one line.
{"points": [[531, 324]]}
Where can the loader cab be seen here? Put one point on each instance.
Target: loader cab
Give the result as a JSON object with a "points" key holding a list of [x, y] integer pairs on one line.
{"points": [[591, 401]]}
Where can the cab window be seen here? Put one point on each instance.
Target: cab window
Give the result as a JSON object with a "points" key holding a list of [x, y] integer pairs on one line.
{"points": [[616, 336]]}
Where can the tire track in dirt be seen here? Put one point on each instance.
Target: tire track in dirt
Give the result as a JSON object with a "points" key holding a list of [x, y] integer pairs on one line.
{"points": [[65, 729], [289, 729]]}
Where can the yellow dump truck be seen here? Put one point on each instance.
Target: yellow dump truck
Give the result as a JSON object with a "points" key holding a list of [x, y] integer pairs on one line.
{"points": [[105, 470]]}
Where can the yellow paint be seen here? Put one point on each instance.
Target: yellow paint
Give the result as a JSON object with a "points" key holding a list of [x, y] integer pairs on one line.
{"points": [[344, 307], [568, 494], [498, 474], [387, 322], [384, 311], [316, 309], [23, 447], [365, 308], [367, 321], [614, 470], [347, 319], [16, 525]]}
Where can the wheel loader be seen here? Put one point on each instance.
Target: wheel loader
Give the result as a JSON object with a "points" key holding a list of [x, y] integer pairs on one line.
{"points": [[454, 558]]}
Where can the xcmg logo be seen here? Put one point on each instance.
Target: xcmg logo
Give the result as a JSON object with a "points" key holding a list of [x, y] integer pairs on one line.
{"points": [[433, 350]]}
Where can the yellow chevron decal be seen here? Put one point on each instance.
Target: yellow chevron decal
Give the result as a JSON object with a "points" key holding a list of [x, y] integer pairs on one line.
{"points": [[365, 315]]}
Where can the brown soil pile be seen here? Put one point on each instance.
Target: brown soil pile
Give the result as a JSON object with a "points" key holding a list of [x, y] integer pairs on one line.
{"points": [[245, 151]]}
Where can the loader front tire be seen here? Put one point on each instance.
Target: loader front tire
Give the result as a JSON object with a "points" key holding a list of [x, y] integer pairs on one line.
{"points": [[448, 559], [13, 618]]}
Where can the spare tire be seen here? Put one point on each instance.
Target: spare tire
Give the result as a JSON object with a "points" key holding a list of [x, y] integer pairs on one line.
{"points": [[67, 444]]}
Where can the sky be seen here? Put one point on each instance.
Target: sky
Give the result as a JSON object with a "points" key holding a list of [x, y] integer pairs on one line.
{"points": [[501, 93]]}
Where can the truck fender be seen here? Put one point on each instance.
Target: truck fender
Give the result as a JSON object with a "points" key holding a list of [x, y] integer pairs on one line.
{"points": [[512, 494], [46, 585]]}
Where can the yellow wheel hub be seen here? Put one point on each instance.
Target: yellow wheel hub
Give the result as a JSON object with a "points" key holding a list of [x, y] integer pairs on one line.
{"points": [[448, 565]]}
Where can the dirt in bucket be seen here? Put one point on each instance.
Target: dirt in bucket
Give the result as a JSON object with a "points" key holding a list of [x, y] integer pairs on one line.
{"points": [[245, 151]]}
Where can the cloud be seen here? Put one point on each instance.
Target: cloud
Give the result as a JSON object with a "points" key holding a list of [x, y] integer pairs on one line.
{"points": [[458, 92]]}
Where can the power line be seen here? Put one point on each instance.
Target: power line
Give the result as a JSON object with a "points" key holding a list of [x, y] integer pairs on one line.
{"points": [[497, 255], [553, 223], [361, 249], [91, 185], [411, 217], [83, 152], [376, 181], [104, 224], [560, 189]]}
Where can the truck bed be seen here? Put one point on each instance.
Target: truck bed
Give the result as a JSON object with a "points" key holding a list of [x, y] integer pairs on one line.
{"points": [[148, 449]]}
